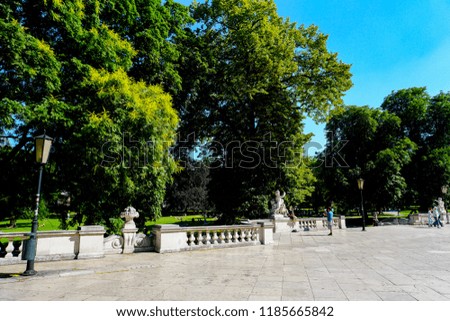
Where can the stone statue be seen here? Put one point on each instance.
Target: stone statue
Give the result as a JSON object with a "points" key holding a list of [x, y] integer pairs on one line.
{"points": [[441, 209], [278, 207]]}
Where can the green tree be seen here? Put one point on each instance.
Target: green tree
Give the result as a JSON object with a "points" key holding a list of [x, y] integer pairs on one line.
{"points": [[435, 170], [425, 120], [249, 77], [64, 68], [373, 147]]}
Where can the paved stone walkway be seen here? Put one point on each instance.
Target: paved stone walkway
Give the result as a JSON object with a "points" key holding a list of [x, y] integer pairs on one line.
{"points": [[382, 264]]}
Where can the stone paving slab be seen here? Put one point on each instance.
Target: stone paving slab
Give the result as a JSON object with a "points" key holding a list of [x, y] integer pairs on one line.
{"points": [[389, 263]]}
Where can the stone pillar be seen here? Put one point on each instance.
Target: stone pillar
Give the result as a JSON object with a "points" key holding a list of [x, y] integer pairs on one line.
{"points": [[91, 242], [129, 237], [266, 232], [342, 222], [169, 238], [281, 225]]}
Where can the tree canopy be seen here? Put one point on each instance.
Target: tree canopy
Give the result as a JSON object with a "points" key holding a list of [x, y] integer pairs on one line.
{"points": [[67, 68], [249, 78], [425, 121], [372, 146], [113, 81]]}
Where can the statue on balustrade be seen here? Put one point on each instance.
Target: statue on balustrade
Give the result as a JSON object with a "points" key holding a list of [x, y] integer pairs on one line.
{"points": [[441, 209], [278, 209]]}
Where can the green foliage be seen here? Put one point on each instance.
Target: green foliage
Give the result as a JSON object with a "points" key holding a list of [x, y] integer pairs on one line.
{"points": [[115, 226], [153, 28], [65, 67], [401, 152], [110, 80], [425, 120], [375, 149], [249, 76]]}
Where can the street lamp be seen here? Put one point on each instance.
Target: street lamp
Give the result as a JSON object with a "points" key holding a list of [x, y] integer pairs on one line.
{"points": [[43, 143], [361, 187]]}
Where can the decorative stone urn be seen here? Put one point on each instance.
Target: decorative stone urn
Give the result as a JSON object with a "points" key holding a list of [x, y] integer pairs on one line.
{"points": [[129, 214], [129, 229]]}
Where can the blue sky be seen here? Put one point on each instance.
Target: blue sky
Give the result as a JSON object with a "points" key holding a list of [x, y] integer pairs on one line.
{"points": [[391, 44]]}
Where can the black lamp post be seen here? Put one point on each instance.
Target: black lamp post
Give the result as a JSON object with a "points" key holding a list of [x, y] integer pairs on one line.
{"points": [[361, 187], [43, 143]]}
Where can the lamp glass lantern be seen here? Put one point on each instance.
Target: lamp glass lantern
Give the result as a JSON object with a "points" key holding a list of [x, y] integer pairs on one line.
{"points": [[43, 144], [360, 184]]}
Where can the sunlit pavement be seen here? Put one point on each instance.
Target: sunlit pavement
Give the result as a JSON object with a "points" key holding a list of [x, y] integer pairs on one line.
{"points": [[387, 263]]}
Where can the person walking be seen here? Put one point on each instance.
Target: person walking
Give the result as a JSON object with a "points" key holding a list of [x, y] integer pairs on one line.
{"points": [[437, 218], [330, 220]]}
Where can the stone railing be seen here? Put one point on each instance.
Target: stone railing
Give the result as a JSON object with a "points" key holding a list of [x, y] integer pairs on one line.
{"points": [[306, 224], [422, 219], [87, 242], [11, 247], [173, 238]]}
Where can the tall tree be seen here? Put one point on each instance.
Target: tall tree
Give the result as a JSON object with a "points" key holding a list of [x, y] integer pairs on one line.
{"points": [[249, 77], [63, 68], [373, 147], [425, 120]]}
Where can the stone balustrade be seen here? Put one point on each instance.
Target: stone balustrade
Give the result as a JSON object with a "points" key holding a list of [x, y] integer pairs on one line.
{"points": [[422, 219], [306, 224], [419, 219], [87, 242], [173, 238], [11, 247]]}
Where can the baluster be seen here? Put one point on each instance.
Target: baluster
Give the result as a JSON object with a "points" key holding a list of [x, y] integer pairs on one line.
{"points": [[17, 248], [221, 237], [244, 235], [227, 236], [256, 234], [9, 249], [208, 238], [198, 238], [234, 238], [215, 238], [191, 239]]}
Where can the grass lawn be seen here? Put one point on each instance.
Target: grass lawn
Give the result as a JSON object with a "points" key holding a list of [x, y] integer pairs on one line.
{"points": [[188, 220], [53, 224], [24, 225]]}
